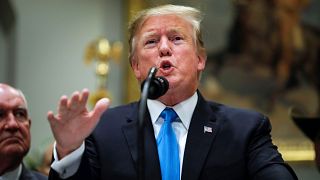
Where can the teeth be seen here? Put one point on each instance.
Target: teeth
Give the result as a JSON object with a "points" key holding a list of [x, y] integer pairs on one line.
{"points": [[166, 66]]}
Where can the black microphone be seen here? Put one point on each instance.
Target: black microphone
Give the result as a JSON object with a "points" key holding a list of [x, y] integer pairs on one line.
{"points": [[152, 87], [158, 87]]}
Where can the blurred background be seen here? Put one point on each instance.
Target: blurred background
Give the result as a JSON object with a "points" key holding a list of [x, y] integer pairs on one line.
{"points": [[262, 54]]}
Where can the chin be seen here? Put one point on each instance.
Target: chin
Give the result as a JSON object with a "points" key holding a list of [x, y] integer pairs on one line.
{"points": [[17, 150]]}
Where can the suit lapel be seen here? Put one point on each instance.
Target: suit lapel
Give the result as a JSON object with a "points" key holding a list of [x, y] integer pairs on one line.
{"points": [[152, 165], [25, 174], [201, 133]]}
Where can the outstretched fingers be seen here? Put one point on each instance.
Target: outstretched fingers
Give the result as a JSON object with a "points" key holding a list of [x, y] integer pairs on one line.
{"points": [[73, 123], [73, 103], [50, 116], [52, 120], [78, 101], [84, 97], [100, 107], [63, 105]]}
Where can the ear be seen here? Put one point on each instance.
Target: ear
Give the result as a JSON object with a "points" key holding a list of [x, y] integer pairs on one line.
{"points": [[29, 121], [136, 68], [202, 58]]}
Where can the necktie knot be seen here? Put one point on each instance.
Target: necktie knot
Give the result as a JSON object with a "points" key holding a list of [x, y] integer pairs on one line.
{"points": [[169, 115]]}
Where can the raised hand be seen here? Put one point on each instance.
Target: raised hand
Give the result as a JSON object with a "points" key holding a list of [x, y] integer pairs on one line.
{"points": [[73, 122]]}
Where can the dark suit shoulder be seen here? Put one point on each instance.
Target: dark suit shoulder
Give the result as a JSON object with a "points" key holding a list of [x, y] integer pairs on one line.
{"points": [[232, 112], [249, 131], [38, 175], [114, 118], [120, 112], [233, 118], [27, 174]]}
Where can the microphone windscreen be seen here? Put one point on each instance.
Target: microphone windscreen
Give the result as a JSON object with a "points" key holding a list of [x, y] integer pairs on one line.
{"points": [[158, 87]]}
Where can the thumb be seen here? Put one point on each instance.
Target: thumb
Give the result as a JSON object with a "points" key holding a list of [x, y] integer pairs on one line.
{"points": [[100, 107]]}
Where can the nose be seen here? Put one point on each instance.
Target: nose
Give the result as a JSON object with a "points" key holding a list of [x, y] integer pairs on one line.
{"points": [[164, 47], [11, 122]]}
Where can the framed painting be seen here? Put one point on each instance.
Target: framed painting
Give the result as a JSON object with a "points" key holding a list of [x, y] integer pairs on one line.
{"points": [[270, 63]]}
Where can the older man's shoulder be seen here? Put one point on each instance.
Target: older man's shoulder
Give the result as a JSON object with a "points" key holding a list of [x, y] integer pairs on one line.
{"points": [[27, 174]]}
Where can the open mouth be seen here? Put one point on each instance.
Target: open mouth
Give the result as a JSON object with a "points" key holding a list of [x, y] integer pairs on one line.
{"points": [[165, 65]]}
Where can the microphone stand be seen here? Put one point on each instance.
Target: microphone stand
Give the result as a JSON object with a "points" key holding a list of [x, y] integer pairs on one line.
{"points": [[141, 124]]}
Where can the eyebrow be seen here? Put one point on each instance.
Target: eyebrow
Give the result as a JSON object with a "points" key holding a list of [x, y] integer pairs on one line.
{"points": [[154, 32], [175, 30], [21, 107], [2, 106], [148, 34]]}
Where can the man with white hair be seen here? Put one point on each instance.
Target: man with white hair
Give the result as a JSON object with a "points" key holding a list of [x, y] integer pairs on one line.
{"points": [[14, 135]]}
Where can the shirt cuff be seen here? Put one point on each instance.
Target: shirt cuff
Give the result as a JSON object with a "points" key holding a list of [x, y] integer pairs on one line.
{"points": [[68, 165]]}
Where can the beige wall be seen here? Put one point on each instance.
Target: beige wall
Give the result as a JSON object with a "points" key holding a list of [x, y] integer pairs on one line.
{"points": [[51, 38]]}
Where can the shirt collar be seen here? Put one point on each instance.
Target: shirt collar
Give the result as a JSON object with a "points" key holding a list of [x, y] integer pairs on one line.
{"points": [[12, 175], [184, 109]]}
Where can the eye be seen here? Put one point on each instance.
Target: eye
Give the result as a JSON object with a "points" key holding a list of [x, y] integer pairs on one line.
{"points": [[2, 113], [20, 113], [177, 39], [150, 41]]}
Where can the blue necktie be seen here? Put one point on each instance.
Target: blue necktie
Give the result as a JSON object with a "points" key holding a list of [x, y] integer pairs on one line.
{"points": [[168, 148]]}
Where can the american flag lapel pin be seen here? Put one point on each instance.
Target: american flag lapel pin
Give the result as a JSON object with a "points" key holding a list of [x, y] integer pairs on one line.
{"points": [[207, 129]]}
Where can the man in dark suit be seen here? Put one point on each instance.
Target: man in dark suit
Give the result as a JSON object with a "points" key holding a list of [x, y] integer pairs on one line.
{"points": [[14, 135], [211, 140]]}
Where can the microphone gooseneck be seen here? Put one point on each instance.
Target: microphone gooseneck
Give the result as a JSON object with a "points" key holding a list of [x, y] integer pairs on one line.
{"points": [[152, 87]]}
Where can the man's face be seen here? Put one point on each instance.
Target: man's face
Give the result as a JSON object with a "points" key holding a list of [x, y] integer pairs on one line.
{"points": [[14, 124], [167, 42]]}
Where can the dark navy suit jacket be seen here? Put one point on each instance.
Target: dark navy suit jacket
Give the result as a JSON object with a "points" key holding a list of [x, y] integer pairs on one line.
{"points": [[239, 147], [31, 175]]}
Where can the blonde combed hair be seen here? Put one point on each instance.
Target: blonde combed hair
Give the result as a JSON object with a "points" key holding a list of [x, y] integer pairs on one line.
{"points": [[190, 14]]}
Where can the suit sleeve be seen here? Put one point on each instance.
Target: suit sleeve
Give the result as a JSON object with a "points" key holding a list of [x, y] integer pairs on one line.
{"points": [[264, 160], [89, 167]]}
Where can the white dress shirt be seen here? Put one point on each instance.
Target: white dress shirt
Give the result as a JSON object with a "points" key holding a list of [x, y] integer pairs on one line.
{"points": [[69, 165], [12, 175], [184, 110]]}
